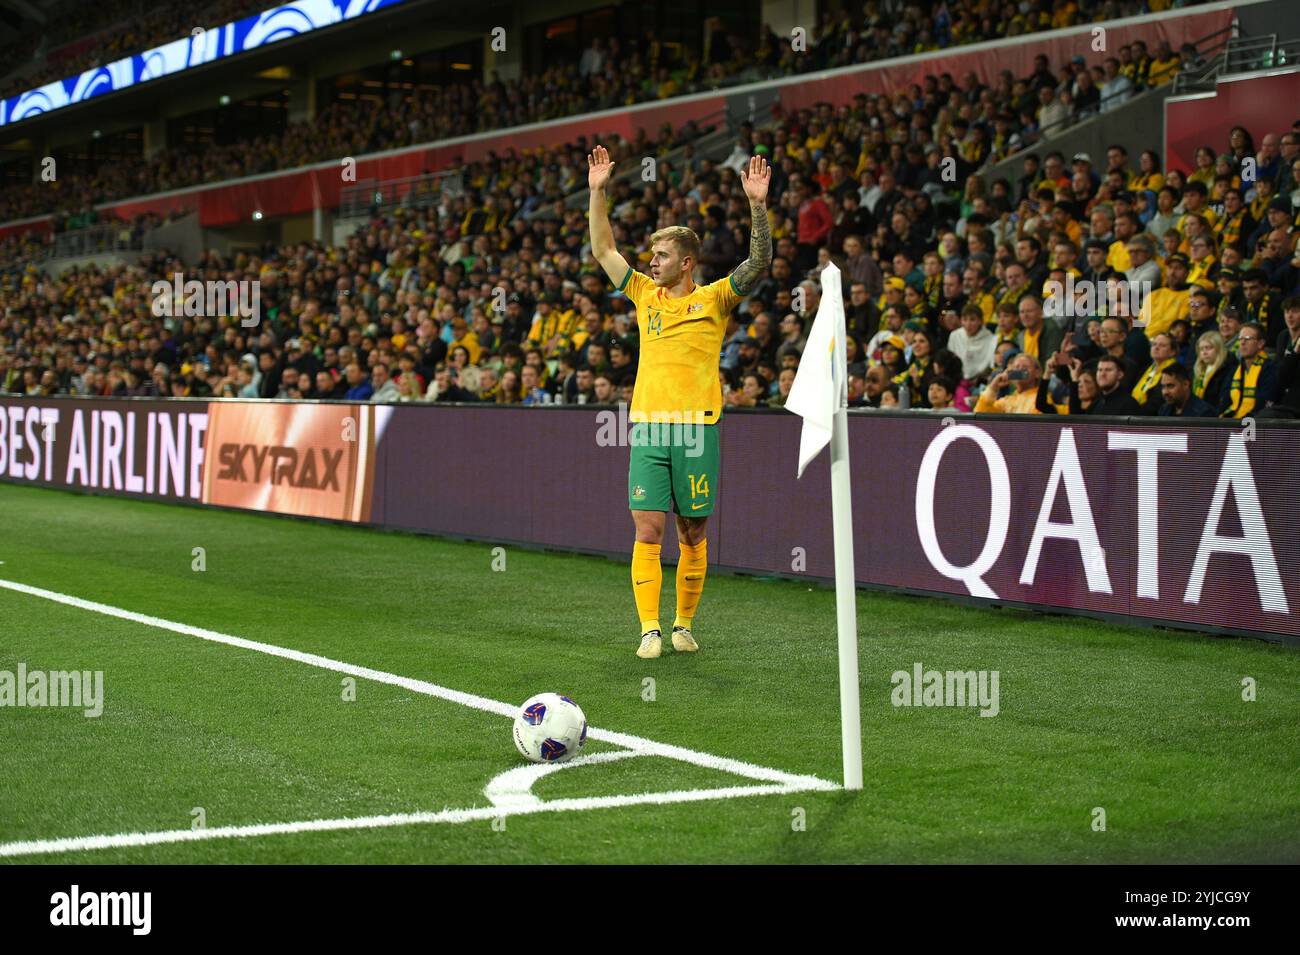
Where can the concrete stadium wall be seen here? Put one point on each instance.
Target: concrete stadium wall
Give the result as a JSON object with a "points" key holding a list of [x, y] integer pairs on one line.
{"points": [[1132, 126], [184, 237]]}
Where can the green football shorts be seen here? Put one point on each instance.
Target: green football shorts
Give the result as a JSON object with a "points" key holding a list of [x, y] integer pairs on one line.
{"points": [[673, 467]]}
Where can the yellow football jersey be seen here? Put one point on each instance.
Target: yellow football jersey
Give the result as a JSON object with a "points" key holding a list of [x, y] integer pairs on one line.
{"points": [[681, 343]]}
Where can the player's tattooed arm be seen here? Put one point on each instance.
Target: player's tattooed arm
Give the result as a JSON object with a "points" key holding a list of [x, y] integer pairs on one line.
{"points": [[755, 179], [748, 273]]}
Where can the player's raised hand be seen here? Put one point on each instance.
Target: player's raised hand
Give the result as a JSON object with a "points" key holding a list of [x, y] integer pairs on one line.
{"points": [[599, 168], [756, 178]]}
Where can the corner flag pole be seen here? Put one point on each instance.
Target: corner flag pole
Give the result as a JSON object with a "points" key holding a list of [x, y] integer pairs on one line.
{"points": [[846, 608], [820, 395]]}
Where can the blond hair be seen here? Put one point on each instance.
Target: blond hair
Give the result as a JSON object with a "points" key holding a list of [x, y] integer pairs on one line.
{"points": [[687, 242], [1202, 372]]}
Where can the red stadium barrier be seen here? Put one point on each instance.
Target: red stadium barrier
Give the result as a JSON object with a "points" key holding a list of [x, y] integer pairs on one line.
{"points": [[37, 225], [1258, 103], [319, 186]]}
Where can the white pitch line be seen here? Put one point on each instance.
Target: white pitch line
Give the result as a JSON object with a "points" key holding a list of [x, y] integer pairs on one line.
{"points": [[647, 746], [514, 787], [129, 840], [784, 782]]}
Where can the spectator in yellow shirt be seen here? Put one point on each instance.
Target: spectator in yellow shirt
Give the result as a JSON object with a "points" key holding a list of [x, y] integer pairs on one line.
{"points": [[1166, 305], [1165, 66], [1023, 374], [462, 335], [1063, 15], [1149, 175], [1264, 191], [1147, 390], [553, 326], [1196, 203], [817, 138], [1117, 257], [972, 286], [1203, 160], [1062, 221], [594, 326], [1202, 261]]}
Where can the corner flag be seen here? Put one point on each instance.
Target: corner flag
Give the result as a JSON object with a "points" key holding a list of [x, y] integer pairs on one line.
{"points": [[820, 395], [820, 384]]}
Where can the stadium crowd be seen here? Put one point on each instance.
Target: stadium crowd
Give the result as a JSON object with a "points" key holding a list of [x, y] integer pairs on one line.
{"points": [[467, 301], [613, 72], [1114, 286]]}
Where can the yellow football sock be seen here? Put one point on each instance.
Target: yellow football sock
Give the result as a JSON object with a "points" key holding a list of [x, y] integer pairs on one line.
{"points": [[691, 568], [647, 581]]}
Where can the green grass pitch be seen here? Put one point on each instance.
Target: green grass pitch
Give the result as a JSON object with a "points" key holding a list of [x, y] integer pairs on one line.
{"points": [[1149, 726]]}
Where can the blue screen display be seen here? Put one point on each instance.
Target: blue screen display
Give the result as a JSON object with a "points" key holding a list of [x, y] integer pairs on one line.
{"points": [[204, 46]]}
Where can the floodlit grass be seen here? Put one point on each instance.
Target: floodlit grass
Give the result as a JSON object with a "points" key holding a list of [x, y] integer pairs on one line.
{"points": [[1148, 725]]}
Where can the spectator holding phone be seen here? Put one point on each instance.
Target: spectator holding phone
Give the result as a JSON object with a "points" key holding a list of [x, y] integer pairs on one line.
{"points": [[1084, 392], [1022, 375]]}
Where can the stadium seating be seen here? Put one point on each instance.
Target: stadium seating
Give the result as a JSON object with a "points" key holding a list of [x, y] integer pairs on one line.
{"points": [[448, 300], [623, 77]]}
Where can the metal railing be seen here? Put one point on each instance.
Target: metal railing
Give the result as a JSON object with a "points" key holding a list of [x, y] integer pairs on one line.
{"points": [[94, 240], [372, 197], [1199, 79], [1260, 53], [1212, 45], [1202, 76], [1239, 55]]}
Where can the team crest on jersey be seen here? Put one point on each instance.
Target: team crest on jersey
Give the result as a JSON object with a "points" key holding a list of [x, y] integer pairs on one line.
{"points": [[638, 493], [697, 307]]}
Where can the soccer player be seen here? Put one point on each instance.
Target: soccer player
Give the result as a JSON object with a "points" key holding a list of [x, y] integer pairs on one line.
{"points": [[675, 466]]}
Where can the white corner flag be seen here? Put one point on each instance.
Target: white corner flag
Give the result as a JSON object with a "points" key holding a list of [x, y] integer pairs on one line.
{"points": [[817, 392], [820, 395]]}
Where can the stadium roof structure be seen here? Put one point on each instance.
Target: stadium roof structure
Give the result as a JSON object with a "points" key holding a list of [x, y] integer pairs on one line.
{"points": [[19, 17], [291, 40]]}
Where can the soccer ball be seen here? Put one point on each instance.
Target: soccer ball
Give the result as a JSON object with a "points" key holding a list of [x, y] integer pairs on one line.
{"points": [[550, 728]]}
